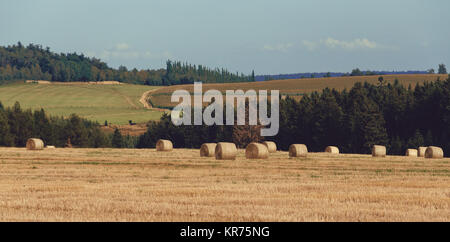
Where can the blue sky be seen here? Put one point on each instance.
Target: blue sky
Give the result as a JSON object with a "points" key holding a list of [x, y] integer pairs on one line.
{"points": [[270, 37]]}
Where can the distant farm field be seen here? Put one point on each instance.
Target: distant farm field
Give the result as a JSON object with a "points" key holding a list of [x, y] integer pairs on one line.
{"points": [[145, 185], [114, 103], [293, 87]]}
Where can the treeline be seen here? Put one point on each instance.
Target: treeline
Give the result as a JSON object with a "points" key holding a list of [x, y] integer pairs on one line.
{"points": [[357, 72], [191, 136], [354, 120], [184, 73], [33, 62], [17, 125]]}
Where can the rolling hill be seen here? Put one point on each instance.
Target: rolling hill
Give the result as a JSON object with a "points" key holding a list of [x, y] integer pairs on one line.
{"points": [[116, 104], [292, 87]]}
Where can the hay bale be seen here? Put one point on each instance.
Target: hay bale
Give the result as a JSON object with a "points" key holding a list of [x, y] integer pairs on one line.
{"points": [[421, 150], [50, 147], [271, 146], [164, 145], [332, 150], [35, 144], [298, 150], [411, 152], [256, 151], [379, 151], [208, 149], [225, 151], [434, 152]]}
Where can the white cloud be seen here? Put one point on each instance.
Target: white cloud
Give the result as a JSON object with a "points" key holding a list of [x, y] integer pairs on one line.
{"points": [[283, 47], [122, 46], [310, 45], [331, 43], [350, 45]]}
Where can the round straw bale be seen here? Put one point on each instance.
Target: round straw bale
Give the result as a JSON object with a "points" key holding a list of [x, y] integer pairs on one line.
{"points": [[332, 150], [225, 151], [50, 147], [434, 152], [256, 151], [271, 146], [35, 144], [164, 145], [379, 151], [421, 150], [298, 150], [411, 152], [208, 149]]}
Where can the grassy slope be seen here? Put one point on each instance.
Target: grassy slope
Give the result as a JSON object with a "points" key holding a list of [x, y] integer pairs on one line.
{"points": [[294, 87], [115, 103]]}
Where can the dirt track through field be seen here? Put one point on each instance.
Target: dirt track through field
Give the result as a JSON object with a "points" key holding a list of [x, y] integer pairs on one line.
{"points": [[145, 101]]}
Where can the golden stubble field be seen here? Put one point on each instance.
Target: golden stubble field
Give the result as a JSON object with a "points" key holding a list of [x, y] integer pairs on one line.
{"points": [[145, 185], [293, 87]]}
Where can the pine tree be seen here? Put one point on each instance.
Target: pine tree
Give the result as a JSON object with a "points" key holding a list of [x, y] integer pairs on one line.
{"points": [[327, 122], [365, 124], [416, 141], [374, 128], [442, 69], [117, 141], [5, 135], [21, 125], [42, 127], [77, 131], [396, 146], [428, 138]]}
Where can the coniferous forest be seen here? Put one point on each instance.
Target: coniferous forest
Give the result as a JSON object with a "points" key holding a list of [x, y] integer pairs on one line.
{"points": [[33, 62], [386, 114], [17, 125]]}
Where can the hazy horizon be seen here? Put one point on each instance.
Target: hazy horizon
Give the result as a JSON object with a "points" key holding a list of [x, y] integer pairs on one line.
{"points": [[269, 37]]}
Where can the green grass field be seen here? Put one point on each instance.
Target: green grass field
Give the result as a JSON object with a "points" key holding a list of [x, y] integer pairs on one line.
{"points": [[115, 103]]}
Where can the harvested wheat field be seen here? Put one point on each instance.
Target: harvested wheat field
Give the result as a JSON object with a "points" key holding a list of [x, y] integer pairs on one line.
{"points": [[145, 185]]}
